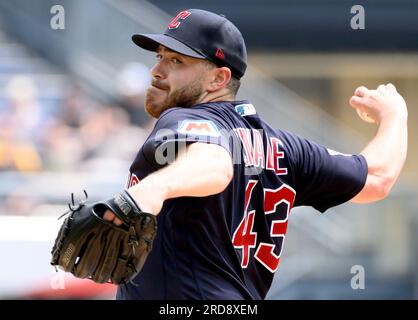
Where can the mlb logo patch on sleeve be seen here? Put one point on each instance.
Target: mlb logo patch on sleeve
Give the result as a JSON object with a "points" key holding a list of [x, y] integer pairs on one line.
{"points": [[245, 109], [198, 127]]}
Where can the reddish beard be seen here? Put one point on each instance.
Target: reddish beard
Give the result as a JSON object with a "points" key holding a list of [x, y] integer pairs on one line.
{"points": [[184, 97]]}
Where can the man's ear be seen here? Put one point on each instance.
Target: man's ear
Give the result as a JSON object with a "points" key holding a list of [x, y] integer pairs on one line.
{"points": [[219, 78]]}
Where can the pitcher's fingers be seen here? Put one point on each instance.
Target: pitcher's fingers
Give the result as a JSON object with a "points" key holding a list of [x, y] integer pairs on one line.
{"points": [[390, 86], [109, 215], [361, 91], [117, 221], [381, 88], [356, 102]]}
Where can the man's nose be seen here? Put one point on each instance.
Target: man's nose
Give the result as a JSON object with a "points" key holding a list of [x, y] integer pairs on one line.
{"points": [[157, 71]]}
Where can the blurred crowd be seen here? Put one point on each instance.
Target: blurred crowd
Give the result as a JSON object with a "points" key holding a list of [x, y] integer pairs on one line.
{"points": [[78, 132], [74, 133]]}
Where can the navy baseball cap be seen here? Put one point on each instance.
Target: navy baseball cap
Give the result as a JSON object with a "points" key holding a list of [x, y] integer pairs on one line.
{"points": [[204, 35]]}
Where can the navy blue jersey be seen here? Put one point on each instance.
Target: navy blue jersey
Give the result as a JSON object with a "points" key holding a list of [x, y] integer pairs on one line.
{"points": [[228, 245]]}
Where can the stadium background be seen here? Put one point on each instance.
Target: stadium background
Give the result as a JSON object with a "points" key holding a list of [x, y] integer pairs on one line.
{"points": [[71, 118]]}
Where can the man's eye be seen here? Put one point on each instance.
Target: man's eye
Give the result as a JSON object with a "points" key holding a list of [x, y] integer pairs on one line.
{"points": [[176, 61], [158, 56]]}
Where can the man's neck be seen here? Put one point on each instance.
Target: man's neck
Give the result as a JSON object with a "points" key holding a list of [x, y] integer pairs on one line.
{"points": [[221, 95]]}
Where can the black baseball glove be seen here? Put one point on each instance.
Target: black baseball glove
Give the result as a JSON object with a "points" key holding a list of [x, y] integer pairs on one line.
{"points": [[90, 247]]}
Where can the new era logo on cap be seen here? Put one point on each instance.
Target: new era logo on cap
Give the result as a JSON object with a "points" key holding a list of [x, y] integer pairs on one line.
{"points": [[220, 54]]}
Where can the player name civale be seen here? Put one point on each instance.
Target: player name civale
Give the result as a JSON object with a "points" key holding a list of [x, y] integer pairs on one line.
{"points": [[254, 153], [254, 150]]}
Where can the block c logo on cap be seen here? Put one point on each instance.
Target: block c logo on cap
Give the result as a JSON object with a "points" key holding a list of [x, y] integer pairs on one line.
{"points": [[175, 23]]}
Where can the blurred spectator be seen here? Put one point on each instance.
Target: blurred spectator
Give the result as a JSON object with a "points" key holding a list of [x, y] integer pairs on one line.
{"points": [[81, 132], [78, 134], [109, 137], [132, 83], [63, 149], [75, 107], [21, 126]]}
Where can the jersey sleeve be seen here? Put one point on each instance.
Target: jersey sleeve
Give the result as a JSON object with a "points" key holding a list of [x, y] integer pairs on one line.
{"points": [[323, 178], [178, 127]]}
